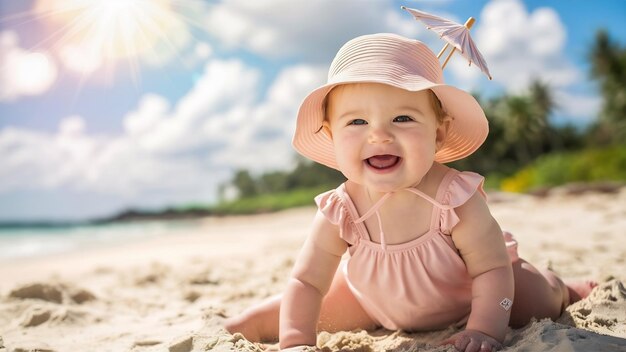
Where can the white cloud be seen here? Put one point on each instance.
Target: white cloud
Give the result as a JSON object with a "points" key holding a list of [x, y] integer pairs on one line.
{"points": [[203, 50], [36, 160], [152, 109], [23, 72], [263, 139], [196, 55], [71, 159], [179, 152], [80, 58], [520, 46], [311, 30], [548, 37], [466, 78], [583, 108], [26, 157], [72, 126], [223, 86]]}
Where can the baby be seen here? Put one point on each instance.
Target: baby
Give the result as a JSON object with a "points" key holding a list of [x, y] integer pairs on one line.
{"points": [[424, 251]]}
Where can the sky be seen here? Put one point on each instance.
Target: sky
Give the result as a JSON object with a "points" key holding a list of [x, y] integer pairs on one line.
{"points": [[117, 104]]}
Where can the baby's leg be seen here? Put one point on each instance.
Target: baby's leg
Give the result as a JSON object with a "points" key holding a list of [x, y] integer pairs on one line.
{"points": [[542, 294], [258, 323], [340, 309], [340, 312]]}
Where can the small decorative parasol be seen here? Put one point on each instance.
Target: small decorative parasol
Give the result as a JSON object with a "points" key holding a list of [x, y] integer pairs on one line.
{"points": [[455, 34]]}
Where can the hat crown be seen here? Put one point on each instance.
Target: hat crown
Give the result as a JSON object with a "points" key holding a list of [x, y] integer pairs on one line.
{"points": [[384, 57]]}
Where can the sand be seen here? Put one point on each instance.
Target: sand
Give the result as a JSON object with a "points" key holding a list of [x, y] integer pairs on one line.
{"points": [[172, 293]]}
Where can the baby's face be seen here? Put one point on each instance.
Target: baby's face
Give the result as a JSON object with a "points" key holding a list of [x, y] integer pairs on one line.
{"points": [[385, 138]]}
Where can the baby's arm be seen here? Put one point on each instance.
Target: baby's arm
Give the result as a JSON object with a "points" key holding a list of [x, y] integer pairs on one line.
{"points": [[479, 240], [310, 280]]}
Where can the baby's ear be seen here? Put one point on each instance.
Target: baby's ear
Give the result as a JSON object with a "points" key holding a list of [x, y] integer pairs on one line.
{"points": [[326, 129], [442, 132]]}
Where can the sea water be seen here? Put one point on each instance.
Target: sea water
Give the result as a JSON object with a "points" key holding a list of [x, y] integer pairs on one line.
{"points": [[31, 241]]}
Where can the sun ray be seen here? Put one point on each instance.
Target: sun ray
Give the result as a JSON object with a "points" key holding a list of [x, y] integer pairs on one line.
{"points": [[95, 38], [118, 29], [151, 26]]}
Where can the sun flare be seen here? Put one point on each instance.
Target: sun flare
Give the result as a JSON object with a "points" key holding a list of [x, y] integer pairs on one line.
{"points": [[104, 32]]}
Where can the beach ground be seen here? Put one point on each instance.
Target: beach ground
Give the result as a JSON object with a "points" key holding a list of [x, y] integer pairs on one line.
{"points": [[172, 293]]}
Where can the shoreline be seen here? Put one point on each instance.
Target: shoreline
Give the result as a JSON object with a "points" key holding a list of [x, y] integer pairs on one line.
{"points": [[162, 247], [133, 215]]}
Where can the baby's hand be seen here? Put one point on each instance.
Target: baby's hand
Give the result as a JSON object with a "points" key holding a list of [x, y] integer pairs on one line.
{"points": [[473, 341]]}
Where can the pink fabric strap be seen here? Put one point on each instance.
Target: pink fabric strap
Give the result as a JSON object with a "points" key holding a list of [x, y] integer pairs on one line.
{"points": [[426, 197], [374, 210]]}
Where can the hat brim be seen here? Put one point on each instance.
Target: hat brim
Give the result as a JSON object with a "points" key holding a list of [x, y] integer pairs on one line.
{"points": [[468, 128]]}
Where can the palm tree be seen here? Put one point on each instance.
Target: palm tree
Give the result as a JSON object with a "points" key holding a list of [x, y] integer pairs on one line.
{"points": [[544, 105], [520, 130], [542, 99], [525, 122], [245, 184], [608, 61]]}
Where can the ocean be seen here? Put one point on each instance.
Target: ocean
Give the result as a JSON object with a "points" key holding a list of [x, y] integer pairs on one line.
{"points": [[30, 241]]}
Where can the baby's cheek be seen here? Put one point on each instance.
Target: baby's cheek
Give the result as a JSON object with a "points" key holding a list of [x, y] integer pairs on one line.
{"points": [[348, 162]]}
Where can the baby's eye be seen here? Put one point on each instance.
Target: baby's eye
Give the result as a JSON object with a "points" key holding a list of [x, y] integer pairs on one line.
{"points": [[358, 122], [402, 118]]}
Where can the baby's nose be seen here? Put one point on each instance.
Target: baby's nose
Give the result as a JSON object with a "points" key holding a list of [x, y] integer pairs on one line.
{"points": [[380, 134]]}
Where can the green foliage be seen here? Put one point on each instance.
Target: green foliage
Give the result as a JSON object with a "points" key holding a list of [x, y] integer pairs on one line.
{"points": [[306, 175], [277, 190], [519, 132], [268, 202], [245, 184], [594, 165]]}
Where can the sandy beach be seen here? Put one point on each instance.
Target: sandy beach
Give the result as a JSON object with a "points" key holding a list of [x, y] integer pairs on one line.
{"points": [[172, 292]]}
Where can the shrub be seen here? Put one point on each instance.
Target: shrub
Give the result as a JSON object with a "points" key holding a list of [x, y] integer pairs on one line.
{"points": [[594, 165]]}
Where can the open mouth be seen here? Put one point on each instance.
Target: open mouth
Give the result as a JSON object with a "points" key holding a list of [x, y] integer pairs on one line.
{"points": [[383, 162]]}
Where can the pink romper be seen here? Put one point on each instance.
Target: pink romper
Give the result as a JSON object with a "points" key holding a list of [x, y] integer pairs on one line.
{"points": [[422, 284]]}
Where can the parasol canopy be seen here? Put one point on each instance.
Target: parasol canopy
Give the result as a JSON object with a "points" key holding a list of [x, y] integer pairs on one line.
{"points": [[455, 34]]}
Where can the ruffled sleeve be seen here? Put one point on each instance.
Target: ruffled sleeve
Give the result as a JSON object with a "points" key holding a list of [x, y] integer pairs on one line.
{"points": [[334, 209], [460, 189]]}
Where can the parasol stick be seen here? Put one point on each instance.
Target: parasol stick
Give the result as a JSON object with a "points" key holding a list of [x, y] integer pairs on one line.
{"points": [[443, 50], [468, 24]]}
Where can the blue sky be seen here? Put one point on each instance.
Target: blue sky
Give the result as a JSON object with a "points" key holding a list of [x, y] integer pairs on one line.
{"points": [[106, 105]]}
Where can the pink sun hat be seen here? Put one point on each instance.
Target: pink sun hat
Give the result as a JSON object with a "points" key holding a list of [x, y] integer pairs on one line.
{"points": [[399, 62]]}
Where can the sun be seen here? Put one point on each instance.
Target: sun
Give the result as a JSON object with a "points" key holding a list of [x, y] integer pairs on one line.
{"points": [[92, 34]]}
